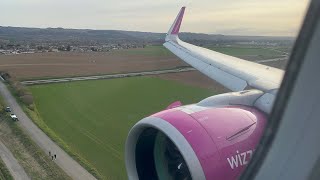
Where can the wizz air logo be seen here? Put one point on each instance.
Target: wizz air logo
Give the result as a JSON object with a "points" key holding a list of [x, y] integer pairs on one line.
{"points": [[240, 159]]}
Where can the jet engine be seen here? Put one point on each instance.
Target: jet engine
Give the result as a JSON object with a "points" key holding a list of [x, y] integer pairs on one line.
{"points": [[199, 141]]}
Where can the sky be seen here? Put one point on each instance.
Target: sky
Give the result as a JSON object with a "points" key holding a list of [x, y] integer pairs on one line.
{"points": [[229, 17]]}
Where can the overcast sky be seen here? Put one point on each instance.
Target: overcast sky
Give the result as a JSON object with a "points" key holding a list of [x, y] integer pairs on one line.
{"points": [[235, 17]]}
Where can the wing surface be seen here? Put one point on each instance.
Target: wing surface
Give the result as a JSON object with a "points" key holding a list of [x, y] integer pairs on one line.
{"points": [[234, 73]]}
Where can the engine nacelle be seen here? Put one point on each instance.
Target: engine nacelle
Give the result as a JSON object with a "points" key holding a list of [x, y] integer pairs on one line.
{"points": [[194, 143]]}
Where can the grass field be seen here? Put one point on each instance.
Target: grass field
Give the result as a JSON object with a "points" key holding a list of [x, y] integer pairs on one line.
{"points": [[238, 51], [147, 51], [4, 172], [94, 117], [248, 52], [244, 51]]}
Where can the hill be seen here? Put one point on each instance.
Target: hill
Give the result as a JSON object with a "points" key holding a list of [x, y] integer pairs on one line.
{"points": [[89, 36]]}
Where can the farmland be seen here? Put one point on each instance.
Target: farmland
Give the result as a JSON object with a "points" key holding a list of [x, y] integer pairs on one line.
{"points": [[94, 117], [66, 64], [249, 52], [70, 64]]}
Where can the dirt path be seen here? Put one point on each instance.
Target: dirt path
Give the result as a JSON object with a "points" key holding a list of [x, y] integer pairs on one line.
{"points": [[12, 164], [70, 166]]}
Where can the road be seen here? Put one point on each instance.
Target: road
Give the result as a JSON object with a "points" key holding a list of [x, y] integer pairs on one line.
{"points": [[66, 163], [111, 76], [12, 164], [272, 60], [122, 75]]}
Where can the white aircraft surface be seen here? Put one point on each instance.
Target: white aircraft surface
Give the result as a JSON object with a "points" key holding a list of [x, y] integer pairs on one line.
{"points": [[215, 138]]}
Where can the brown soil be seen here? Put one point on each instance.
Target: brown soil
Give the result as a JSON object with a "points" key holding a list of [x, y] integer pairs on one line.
{"points": [[62, 64]]}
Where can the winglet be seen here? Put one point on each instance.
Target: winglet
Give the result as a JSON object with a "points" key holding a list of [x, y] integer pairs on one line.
{"points": [[175, 28]]}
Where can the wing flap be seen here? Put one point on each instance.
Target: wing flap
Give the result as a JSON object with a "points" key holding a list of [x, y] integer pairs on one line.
{"points": [[228, 80]]}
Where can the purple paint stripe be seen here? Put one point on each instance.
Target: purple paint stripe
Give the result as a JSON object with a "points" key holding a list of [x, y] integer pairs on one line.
{"points": [[176, 27]]}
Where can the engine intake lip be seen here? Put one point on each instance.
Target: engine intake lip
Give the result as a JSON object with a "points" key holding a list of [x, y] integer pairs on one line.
{"points": [[173, 134]]}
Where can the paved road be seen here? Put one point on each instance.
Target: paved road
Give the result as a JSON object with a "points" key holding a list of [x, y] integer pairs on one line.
{"points": [[272, 60], [111, 76], [70, 166], [12, 164]]}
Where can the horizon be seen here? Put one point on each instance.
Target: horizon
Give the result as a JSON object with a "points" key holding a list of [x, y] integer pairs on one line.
{"points": [[142, 31], [253, 17]]}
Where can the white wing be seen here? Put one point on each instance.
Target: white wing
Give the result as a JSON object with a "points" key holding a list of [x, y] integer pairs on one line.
{"points": [[233, 73]]}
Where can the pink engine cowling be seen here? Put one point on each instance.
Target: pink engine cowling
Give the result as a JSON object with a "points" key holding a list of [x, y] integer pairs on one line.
{"points": [[210, 143]]}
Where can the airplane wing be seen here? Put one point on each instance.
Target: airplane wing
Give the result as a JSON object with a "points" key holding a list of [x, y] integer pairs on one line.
{"points": [[234, 73]]}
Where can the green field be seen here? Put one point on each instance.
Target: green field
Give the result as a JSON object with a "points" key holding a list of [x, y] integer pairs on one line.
{"points": [[241, 51], [94, 117], [147, 51], [244, 51], [248, 52]]}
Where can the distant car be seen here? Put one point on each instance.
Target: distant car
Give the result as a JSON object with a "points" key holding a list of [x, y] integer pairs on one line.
{"points": [[8, 109], [14, 117]]}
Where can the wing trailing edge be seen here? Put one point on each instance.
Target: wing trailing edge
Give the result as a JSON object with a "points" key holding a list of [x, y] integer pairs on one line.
{"points": [[234, 73]]}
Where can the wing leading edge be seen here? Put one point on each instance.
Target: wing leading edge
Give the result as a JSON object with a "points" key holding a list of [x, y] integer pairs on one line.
{"points": [[234, 73]]}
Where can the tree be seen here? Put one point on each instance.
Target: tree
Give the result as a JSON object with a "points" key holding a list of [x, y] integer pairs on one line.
{"points": [[61, 48], [20, 89], [39, 48], [27, 99], [1, 108], [24, 94], [68, 48]]}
